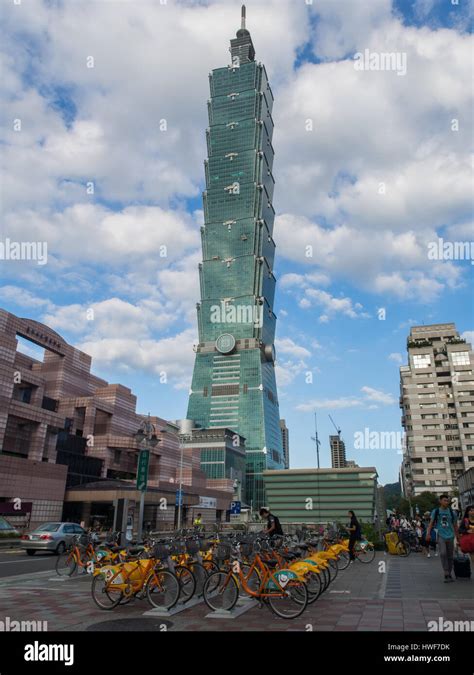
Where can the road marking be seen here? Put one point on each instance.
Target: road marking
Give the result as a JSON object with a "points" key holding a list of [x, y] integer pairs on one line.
{"points": [[11, 562]]}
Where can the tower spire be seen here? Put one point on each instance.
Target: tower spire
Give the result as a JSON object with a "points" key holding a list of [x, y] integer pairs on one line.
{"points": [[241, 47]]}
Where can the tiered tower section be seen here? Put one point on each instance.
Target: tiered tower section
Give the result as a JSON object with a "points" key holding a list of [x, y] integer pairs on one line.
{"points": [[234, 376]]}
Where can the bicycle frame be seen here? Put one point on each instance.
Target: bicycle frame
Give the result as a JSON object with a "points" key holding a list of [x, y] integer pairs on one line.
{"points": [[265, 576], [130, 586]]}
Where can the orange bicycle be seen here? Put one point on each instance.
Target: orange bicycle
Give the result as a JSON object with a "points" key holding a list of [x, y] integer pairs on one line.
{"points": [[79, 554], [283, 590]]}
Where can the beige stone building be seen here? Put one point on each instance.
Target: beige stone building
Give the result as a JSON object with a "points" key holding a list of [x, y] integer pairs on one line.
{"points": [[437, 402]]}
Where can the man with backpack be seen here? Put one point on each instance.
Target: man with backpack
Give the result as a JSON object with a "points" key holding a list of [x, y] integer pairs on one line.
{"points": [[444, 520]]}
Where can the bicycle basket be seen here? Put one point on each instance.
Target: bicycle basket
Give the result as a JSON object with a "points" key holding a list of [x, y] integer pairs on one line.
{"points": [[223, 551], [83, 539], [178, 548], [161, 551], [192, 546], [246, 548]]}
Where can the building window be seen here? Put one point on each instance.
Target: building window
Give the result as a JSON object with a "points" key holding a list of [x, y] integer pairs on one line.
{"points": [[422, 360], [460, 358]]}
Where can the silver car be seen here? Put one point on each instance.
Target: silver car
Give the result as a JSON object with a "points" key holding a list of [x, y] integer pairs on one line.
{"points": [[54, 537]]}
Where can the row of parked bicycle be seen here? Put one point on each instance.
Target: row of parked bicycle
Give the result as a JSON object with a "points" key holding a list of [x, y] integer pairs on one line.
{"points": [[285, 573]]}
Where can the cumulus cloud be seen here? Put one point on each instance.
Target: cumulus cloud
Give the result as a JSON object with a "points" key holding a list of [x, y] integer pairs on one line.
{"points": [[171, 359], [288, 346]]}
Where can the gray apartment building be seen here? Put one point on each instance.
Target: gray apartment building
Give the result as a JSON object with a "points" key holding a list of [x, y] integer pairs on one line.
{"points": [[437, 402], [285, 438], [338, 452]]}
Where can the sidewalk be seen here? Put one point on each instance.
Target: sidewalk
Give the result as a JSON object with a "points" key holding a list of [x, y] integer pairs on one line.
{"points": [[408, 595]]}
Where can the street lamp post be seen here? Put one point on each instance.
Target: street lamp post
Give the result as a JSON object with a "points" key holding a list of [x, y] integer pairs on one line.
{"points": [[182, 439], [147, 439]]}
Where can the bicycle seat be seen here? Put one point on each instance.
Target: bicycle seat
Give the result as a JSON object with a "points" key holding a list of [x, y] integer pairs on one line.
{"points": [[271, 563], [135, 550], [289, 556]]}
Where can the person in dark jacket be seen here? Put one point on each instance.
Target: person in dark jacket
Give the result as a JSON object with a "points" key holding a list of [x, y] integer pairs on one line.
{"points": [[273, 523], [355, 533]]}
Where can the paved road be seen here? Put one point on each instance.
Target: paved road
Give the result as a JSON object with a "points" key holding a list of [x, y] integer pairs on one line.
{"points": [[405, 594], [16, 561]]}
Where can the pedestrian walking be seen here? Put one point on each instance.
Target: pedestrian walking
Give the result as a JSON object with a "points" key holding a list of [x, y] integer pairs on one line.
{"points": [[355, 533], [444, 520], [466, 531]]}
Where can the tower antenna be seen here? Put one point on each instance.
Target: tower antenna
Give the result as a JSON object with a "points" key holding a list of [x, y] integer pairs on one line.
{"points": [[315, 437], [243, 17]]}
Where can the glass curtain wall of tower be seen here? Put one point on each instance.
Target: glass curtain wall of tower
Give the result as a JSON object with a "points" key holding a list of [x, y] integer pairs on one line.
{"points": [[234, 374]]}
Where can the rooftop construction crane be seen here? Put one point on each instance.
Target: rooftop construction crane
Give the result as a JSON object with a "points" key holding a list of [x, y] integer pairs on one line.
{"points": [[335, 426]]}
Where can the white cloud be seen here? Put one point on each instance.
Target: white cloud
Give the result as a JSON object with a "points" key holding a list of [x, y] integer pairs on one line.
{"points": [[314, 297], [468, 335], [396, 356], [288, 346], [370, 396], [22, 297], [173, 356], [378, 396], [335, 404]]}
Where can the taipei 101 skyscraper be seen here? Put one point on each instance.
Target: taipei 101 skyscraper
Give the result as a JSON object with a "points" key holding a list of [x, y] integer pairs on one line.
{"points": [[234, 373]]}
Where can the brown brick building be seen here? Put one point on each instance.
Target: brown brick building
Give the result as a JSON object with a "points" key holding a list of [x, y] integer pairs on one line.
{"points": [[69, 436]]}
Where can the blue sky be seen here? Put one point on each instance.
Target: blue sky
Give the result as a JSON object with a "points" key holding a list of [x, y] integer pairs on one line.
{"points": [[382, 172]]}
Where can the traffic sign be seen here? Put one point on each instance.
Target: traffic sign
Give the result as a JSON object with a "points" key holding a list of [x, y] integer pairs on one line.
{"points": [[235, 508], [179, 497], [142, 470]]}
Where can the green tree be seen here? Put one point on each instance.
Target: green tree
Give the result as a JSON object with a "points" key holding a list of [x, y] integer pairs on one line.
{"points": [[427, 501], [392, 494]]}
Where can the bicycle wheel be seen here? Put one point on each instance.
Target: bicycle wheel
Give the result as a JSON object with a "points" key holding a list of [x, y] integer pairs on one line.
{"points": [[292, 602], [221, 591], [343, 561], [162, 589], [403, 549], [105, 595], [66, 564], [187, 582], [326, 578], [314, 586], [334, 568], [367, 554]]}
